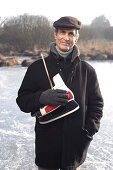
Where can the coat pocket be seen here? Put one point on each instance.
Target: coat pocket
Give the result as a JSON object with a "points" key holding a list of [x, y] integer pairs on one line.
{"points": [[82, 145]]}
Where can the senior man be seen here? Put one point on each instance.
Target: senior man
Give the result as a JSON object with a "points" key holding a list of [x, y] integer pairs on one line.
{"points": [[63, 143]]}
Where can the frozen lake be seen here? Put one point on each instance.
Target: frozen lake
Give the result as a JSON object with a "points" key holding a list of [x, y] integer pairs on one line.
{"points": [[17, 128]]}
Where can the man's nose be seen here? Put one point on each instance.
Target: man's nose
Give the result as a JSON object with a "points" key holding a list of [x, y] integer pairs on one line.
{"points": [[66, 37]]}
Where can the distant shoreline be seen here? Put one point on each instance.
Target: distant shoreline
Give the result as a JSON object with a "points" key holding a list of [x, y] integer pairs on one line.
{"points": [[25, 61]]}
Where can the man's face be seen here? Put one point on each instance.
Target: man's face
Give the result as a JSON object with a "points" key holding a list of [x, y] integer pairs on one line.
{"points": [[66, 39]]}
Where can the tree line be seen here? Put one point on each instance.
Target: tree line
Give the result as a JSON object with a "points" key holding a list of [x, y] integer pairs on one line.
{"points": [[27, 32], [99, 29]]}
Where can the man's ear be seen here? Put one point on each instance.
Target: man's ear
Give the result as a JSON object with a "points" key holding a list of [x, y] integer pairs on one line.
{"points": [[55, 35], [77, 37]]}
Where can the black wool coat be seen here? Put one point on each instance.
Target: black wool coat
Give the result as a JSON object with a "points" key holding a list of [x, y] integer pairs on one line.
{"points": [[64, 142]]}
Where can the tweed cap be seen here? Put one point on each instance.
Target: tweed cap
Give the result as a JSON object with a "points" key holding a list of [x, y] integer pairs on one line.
{"points": [[67, 22]]}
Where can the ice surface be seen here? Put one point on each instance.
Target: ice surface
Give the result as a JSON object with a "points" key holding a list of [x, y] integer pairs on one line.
{"points": [[17, 128]]}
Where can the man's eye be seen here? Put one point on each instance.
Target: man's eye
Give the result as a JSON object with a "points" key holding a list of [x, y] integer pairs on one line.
{"points": [[71, 33], [63, 32]]}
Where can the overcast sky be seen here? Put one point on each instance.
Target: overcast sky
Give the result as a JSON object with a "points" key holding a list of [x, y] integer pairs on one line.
{"points": [[84, 10]]}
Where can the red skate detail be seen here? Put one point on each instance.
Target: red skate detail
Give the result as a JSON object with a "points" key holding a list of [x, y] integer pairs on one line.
{"points": [[70, 95], [50, 108]]}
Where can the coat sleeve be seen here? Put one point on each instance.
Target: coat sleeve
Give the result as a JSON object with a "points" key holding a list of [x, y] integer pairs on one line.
{"points": [[95, 104], [28, 95]]}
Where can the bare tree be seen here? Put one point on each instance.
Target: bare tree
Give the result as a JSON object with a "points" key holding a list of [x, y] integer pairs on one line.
{"points": [[100, 21]]}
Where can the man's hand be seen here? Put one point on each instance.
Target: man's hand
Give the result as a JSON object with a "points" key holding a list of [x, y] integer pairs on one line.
{"points": [[54, 97]]}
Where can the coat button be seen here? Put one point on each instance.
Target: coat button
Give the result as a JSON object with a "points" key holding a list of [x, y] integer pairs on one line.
{"points": [[60, 70]]}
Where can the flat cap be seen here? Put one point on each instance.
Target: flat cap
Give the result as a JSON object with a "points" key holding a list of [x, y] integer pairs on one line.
{"points": [[67, 22]]}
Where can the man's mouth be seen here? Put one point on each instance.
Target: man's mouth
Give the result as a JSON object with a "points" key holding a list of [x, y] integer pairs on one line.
{"points": [[65, 44]]}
